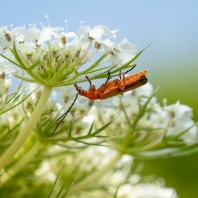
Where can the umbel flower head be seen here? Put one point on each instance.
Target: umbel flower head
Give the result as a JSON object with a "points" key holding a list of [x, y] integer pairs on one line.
{"points": [[53, 57]]}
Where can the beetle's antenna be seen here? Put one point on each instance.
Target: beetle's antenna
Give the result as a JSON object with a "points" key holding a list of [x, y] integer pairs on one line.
{"points": [[61, 118]]}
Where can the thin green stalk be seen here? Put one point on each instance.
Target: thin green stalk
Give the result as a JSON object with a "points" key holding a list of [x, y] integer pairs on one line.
{"points": [[141, 112], [21, 163], [27, 129], [95, 176]]}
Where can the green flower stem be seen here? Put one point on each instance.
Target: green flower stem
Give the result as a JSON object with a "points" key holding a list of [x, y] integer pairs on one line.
{"points": [[21, 163], [95, 176], [141, 112], [27, 129]]}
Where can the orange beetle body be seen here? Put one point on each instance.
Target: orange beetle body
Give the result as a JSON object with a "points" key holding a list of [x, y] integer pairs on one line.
{"points": [[115, 87]]}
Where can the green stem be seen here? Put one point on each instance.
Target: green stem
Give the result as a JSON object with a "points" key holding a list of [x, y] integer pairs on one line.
{"points": [[24, 78], [27, 129], [141, 112], [95, 176], [21, 163]]}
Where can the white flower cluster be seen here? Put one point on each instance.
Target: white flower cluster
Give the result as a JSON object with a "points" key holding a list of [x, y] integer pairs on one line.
{"points": [[169, 123], [149, 190], [52, 57], [95, 158]]}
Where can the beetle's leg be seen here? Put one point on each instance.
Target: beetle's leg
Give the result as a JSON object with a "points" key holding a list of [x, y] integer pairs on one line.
{"points": [[121, 83], [103, 85], [90, 84], [91, 87], [130, 69], [120, 75], [61, 118], [124, 82], [108, 78]]}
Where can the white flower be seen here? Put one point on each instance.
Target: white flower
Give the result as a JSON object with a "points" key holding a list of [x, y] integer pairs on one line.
{"points": [[83, 31], [26, 48], [109, 46], [6, 36], [63, 37], [97, 156], [18, 31], [159, 118], [122, 53], [126, 51], [96, 33], [179, 111], [106, 31], [47, 33], [51, 105], [6, 67], [145, 191], [32, 34], [181, 119]]}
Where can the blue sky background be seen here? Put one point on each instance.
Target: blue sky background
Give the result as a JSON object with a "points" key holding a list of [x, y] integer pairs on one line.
{"points": [[171, 26]]}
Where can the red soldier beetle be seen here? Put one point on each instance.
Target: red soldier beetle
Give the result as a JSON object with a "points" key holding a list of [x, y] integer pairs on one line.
{"points": [[109, 88]]}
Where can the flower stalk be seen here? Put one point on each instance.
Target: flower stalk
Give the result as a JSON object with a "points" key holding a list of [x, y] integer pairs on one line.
{"points": [[21, 163], [95, 176], [27, 129]]}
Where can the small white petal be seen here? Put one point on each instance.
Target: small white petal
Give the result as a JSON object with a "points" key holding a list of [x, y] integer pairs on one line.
{"points": [[107, 31], [109, 45], [18, 30], [83, 31], [45, 35], [125, 45], [33, 33], [70, 35], [96, 33]]}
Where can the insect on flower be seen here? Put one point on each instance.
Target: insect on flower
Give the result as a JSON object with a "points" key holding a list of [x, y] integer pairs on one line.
{"points": [[109, 88]]}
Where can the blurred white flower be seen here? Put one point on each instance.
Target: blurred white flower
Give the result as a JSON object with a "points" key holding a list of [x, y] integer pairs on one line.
{"points": [[6, 67], [181, 119], [145, 191]]}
